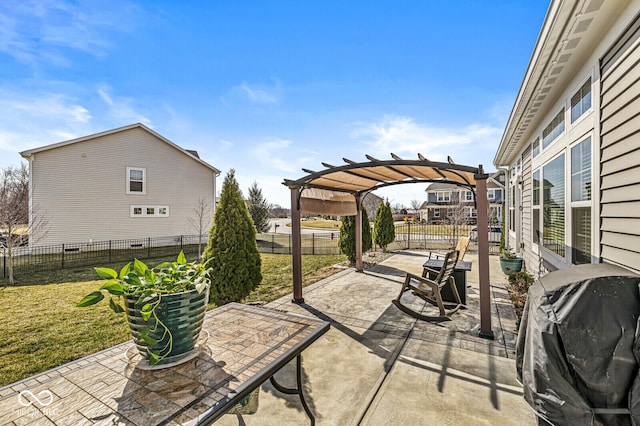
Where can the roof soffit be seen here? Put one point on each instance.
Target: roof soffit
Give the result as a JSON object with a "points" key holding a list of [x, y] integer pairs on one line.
{"points": [[567, 37]]}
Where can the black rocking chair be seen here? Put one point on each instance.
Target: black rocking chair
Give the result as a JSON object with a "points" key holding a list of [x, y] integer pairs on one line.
{"points": [[429, 290]]}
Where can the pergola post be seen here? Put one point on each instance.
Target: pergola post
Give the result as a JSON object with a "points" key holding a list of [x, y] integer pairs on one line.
{"points": [[482, 209], [359, 267], [296, 245]]}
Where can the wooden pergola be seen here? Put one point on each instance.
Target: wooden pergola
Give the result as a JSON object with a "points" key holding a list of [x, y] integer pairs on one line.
{"points": [[339, 190]]}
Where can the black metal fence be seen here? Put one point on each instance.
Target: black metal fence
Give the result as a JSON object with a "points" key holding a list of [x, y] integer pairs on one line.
{"points": [[29, 260], [437, 237]]}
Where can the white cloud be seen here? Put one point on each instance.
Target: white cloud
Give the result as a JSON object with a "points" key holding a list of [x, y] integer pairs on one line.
{"points": [[39, 31], [406, 137], [260, 94], [226, 145], [123, 110], [281, 155], [32, 119]]}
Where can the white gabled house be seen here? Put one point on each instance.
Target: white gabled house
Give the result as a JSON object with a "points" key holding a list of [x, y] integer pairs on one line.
{"points": [[124, 183], [572, 141]]}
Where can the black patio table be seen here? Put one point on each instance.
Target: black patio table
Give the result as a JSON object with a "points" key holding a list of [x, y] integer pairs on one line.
{"points": [[459, 274], [240, 347]]}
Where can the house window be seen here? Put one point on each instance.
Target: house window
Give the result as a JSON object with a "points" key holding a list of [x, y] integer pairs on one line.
{"points": [[553, 200], [581, 171], [443, 196], [471, 212], [436, 212], [491, 193], [535, 147], [136, 180], [580, 202], [450, 212], [536, 207], [581, 101], [468, 196], [553, 130], [149, 211]]}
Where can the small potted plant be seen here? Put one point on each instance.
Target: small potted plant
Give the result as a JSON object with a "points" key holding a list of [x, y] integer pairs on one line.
{"points": [[165, 305], [509, 261]]}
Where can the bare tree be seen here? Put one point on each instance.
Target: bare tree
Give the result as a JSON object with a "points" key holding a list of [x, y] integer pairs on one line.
{"points": [[15, 227], [201, 221], [415, 205], [458, 219]]}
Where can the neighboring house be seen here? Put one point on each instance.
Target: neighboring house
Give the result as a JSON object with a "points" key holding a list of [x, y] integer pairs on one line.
{"points": [[371, 202], [124, 183], [572, 142], [446, 202]]}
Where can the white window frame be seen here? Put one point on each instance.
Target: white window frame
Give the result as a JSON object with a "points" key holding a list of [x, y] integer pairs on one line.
{"points": [[144, 211], [472, 212], [443, 196], [570, 204], [491, 193], [562, 113], [468, 196], [588, 82], [436, 213], [144, 180]]}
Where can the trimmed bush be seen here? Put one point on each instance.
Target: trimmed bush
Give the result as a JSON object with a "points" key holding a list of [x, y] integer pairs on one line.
{"points": [[235, 267]]}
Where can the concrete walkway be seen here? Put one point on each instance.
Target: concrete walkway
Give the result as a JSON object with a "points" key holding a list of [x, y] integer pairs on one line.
{"points": [[379, 366]]}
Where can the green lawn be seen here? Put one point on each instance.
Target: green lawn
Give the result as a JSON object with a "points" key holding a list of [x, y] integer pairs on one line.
{"points": [[42, 328]]}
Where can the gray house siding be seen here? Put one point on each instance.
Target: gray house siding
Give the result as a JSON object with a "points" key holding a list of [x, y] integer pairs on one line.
{"points": [[620, 150], [81, 188]]}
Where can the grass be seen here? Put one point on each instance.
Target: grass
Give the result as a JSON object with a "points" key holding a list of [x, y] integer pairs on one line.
{"points": [[42, 328]]}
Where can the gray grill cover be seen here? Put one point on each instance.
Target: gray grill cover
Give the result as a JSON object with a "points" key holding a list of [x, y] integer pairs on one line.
{"points": [[578, 349]]}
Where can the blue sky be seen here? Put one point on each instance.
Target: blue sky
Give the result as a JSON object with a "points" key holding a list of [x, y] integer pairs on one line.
{"points": [[269, 87]]}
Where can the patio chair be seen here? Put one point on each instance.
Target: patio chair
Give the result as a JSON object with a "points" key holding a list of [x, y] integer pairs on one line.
{"points": [[462, 246], [430, 290]]}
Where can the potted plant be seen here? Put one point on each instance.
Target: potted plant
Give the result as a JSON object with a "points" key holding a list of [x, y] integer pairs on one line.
{"points": [[509, 261], [165, 305]]}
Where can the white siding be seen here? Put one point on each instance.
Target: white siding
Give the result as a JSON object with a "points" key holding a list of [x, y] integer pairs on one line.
{"points": [[81, 188]]}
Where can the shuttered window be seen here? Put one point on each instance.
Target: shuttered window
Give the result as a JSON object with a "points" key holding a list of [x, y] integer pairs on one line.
{"points": [[580, 202], [581, 171], [581, 101], [553, 129], [553, 204], [536, 207]]}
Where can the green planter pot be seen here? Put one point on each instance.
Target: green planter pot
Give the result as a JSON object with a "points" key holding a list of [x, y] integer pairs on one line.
{"points": [[509, 266], [182, 313]]}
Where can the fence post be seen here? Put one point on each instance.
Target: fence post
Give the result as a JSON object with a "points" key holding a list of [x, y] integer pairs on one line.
{"points": [[313, 243], [273, 243], [62, 256], [182, 243], [408, 234], [109, 251]]}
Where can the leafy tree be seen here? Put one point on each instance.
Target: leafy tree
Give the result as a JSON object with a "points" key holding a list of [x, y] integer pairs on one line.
{"points": [[235, 261], [347, 241], [384, 229], [258, 208]]}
